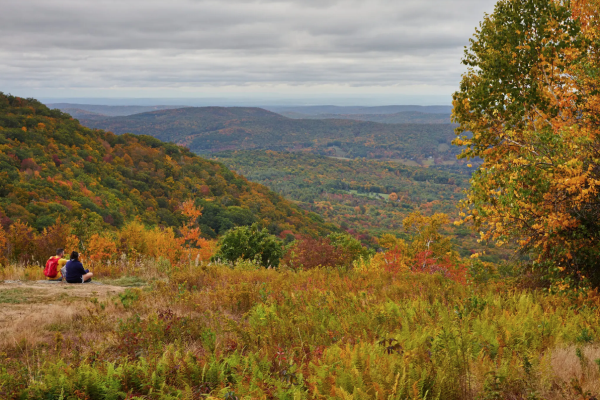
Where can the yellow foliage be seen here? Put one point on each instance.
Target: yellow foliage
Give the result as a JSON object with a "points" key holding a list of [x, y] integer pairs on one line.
{"points": [[72, 244], [161, 243], [539, 184], [136, 240], [101, 248], [389, 241], [132, 238], [20, 237], [426, 233], [370, 265]]}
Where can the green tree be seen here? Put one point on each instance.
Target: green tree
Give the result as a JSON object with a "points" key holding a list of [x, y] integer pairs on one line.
{"points": [[250, 243], [349, 245]]}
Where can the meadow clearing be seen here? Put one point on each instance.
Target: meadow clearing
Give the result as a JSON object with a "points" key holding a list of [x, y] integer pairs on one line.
{"points": [[245, 332]]}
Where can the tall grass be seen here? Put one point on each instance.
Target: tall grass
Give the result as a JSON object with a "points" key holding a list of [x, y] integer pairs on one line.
{"points": [[245, 332]]}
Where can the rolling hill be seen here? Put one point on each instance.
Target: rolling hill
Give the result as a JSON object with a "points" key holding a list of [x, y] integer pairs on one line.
{"points": [[53, 167], [212, 129]]}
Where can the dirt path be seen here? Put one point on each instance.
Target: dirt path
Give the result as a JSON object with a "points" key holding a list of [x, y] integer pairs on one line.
{"points": [[28, 306]]}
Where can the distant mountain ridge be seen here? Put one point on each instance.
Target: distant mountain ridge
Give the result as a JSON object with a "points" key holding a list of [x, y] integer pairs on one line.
{"points": [[212, 129], [107, 111], [341, 110], [403, 117], [78, 113]]}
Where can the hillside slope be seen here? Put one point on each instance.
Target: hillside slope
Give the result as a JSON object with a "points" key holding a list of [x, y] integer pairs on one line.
{"points": [[212, 129], [52, 167]]}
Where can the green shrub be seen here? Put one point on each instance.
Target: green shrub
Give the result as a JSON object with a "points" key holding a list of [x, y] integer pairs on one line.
{"points": [[250, 243]]}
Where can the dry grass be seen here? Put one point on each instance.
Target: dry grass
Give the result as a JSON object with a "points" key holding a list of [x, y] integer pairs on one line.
{"points": [[16, 272], [29, 309], [577, 373], [142, 267], [20, 325]]}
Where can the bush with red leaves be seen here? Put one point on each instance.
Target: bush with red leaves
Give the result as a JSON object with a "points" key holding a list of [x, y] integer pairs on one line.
{"points": [[308, 253], [56, 160], [29, 163]]}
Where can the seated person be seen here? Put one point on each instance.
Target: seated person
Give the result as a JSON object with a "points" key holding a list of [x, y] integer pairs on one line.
{"points": [[54, 265], [75, 271]]}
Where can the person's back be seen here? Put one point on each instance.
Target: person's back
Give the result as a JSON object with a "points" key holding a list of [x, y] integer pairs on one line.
{"points": [[75, 273], [54, 265]]}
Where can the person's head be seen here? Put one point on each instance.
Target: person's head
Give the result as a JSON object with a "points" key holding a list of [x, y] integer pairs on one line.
{"points": [[75, 256], [60, 252]]}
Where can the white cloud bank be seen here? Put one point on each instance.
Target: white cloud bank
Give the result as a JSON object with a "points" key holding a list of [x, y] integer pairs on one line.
{"points": [[187, 48]]}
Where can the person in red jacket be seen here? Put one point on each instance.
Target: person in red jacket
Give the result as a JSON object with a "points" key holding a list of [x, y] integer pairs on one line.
{"points": [[75, 271], [54, 266]]}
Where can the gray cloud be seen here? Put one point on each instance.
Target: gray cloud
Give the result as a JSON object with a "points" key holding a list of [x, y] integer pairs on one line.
{"points": [[82, 46]]}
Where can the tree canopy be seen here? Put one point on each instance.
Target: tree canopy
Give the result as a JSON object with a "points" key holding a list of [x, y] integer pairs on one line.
{"points": [[530, 99]]}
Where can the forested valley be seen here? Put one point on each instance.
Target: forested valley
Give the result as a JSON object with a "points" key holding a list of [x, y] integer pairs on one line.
{"points": [[366, 198]]}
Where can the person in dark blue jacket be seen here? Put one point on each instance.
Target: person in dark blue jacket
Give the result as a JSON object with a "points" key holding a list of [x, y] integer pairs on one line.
{"points": [[75, 271]]}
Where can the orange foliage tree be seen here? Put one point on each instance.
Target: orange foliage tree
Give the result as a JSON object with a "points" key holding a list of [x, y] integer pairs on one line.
{"points": [[193, 246], [431, 251], [395, 257], [428, 250], [135, 239], [101, 248], [531, 101]]}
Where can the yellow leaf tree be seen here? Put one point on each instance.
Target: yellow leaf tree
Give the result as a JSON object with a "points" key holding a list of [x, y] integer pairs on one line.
{"points": [[530, 100]]}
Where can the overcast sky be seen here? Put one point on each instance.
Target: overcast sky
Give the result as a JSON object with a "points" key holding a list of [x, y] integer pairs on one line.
{"points": [[384, 49]]}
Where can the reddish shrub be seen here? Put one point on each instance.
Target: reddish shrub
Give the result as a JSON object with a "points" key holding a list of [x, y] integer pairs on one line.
{"points": [[3, 246], [204, 190], [56, 160], [29, 163], [394, 260], [307, 253], [284, 234], [50, 239], [426, 263], [5, 222]]}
